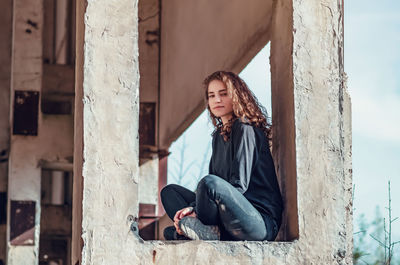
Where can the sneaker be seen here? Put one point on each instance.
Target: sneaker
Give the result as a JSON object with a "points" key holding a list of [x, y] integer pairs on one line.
{"points": [[194, 229], [171, 234]]}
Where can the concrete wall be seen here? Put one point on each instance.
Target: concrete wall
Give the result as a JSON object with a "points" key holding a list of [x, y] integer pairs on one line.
{"points": [[317, 109], [5, 69]]}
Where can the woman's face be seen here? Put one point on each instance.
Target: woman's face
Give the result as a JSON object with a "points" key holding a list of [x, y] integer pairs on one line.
{"points": [[219, 101]]}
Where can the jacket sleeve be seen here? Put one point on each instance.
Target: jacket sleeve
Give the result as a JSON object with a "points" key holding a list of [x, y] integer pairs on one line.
{"points": [[244, 156], [210, 166]]}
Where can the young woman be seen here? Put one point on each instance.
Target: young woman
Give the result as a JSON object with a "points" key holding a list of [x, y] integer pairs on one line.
{"points": [[240, 198]]}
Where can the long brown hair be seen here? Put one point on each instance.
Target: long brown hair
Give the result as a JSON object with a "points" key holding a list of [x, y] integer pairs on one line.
{"points": [[245, 105]]}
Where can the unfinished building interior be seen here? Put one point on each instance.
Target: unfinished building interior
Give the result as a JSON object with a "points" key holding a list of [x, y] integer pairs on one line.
{"points": [[93, 93]]}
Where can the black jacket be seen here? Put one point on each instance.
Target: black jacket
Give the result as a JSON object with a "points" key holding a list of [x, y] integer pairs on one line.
{"points": [[245, 161]]}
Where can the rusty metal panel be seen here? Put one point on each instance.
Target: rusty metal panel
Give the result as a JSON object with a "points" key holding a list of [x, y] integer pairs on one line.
{"points": [[26, 108], [22, 223], [147, 123]]}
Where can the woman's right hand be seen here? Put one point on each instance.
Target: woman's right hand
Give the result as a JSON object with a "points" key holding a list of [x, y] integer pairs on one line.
{"points": [[179, 215]]}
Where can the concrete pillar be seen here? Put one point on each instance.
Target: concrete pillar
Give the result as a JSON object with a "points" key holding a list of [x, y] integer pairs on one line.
{"points": [[26, 74], [54, 139], [149, 54], [283, 115], [110, 120]]}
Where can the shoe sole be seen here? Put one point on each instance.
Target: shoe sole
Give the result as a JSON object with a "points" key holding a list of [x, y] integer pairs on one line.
{"points": [[194, 229]]}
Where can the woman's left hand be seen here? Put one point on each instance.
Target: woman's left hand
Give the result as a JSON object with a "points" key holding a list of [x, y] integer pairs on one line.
{"points": [[188, 211]]}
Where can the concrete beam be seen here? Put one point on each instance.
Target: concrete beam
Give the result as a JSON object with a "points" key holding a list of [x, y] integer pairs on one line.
{"points": [[198, 38]]}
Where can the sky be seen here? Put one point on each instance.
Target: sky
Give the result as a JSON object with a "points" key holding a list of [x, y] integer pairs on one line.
{"points": [[372, 63]]}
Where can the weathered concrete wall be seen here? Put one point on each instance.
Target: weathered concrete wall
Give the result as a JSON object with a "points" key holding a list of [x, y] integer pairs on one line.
{"points": [[312, 40], [54, 141], [323, 132], [198, 38], [5, 69]]}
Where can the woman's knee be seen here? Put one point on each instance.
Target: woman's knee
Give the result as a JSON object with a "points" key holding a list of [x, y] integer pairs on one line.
{"points": [[209, 182], [167, 191]]}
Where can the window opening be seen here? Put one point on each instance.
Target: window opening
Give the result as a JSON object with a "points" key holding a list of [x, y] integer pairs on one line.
{"points": [[191, 152]]}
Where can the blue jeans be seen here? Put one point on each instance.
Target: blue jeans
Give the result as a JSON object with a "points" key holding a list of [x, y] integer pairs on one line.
{"points": [[219, 203]]}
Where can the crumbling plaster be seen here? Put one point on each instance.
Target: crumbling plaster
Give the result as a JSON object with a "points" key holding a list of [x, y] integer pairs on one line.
{"points": [[322, 140]]}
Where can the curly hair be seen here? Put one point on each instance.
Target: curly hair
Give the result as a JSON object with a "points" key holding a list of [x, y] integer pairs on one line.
{"points": [[245, 105]]}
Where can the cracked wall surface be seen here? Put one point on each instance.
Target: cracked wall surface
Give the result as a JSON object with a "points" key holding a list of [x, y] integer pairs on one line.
{"points": [[309, 36]]}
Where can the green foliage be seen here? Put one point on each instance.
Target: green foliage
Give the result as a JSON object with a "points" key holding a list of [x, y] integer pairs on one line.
{"points": [[360, 241], [373, 243]]}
